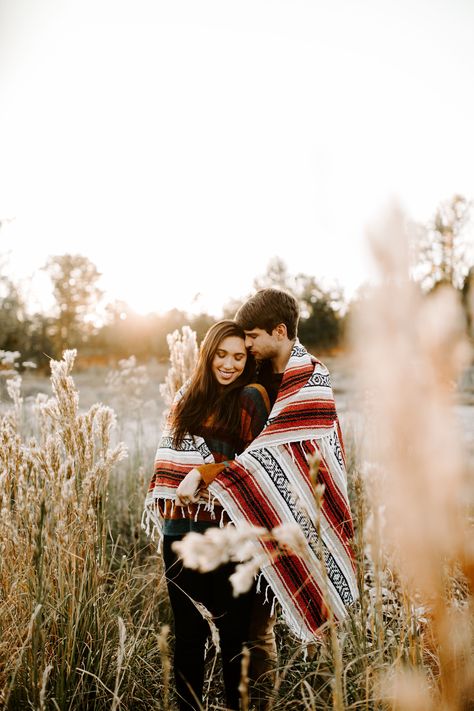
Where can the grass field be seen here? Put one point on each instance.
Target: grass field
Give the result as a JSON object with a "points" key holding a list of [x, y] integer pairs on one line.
{"points": [[84, 617]]}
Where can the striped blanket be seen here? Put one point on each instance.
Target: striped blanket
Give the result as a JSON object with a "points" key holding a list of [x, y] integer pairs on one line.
{"points": [[269, 485]]}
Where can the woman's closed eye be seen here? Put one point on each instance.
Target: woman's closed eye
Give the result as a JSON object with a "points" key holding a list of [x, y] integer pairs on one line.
{"points": [[223, 354]]}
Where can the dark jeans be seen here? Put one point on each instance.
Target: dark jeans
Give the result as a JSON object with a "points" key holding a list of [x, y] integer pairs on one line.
{"points": [[231, 616]]}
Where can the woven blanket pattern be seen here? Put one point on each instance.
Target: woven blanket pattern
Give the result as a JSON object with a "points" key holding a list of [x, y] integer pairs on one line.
{"points": [[269, 484]]}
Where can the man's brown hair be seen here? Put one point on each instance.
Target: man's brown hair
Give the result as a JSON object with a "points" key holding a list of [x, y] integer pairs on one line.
{"points": [[266, 309]]}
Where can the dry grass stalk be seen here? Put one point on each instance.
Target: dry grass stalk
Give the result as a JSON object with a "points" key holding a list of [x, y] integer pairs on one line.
{"points": [[120, 659], [163, 647], [244, 680], [183, 358], [411, 350]]}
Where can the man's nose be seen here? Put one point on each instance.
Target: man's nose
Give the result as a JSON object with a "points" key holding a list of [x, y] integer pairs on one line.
{"points": [[248, 341]]}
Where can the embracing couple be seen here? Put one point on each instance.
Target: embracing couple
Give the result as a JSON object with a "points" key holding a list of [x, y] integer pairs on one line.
{"points": [[236, 450]]}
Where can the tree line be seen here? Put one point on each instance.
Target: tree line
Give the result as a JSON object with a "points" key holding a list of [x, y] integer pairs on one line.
{"points": [[442, 254]]}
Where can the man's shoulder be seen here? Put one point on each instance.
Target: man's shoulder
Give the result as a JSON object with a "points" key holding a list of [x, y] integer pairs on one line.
{"points": [[315, 361], [310, 366], [319, 365]]}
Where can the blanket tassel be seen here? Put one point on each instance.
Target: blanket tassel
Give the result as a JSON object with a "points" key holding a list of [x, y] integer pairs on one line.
{"points": [[272, 611], [266, 594]]}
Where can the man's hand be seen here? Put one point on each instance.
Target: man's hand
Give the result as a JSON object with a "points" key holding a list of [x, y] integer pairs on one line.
{"points": [[187, 491]]}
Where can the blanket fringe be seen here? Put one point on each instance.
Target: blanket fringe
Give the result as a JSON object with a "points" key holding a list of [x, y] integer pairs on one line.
{"points": [[272, 611], [151, 524], [292, 453], [266, 593], [197, 512]]}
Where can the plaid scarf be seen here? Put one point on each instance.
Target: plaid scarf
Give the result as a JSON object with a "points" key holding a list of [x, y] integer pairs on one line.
{"points": [[269, 484]]}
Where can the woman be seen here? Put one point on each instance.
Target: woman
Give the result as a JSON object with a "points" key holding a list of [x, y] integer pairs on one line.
{"points": [[214, 418]]}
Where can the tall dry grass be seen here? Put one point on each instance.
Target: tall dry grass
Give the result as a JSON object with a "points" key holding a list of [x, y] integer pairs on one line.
{"points": [[77, 618]]}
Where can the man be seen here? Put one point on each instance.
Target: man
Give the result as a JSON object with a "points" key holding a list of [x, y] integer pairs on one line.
{"points": [[270, 483]]}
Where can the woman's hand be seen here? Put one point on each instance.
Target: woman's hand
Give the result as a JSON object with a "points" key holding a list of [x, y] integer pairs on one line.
{"points": [[187, 491]]}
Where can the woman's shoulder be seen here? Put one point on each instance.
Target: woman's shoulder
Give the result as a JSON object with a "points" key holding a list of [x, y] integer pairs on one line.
{"points": [[255, 393], [254, 387]]}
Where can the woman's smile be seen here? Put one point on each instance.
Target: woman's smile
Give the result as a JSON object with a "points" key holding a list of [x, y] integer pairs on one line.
{"points": [[226, 373]]}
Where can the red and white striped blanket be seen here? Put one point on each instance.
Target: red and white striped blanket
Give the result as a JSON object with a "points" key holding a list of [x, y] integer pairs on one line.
{"points": [[269, 485]]}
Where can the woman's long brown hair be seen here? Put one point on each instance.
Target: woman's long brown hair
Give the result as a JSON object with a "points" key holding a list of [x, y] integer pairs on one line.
{"points": [[205, 396]]}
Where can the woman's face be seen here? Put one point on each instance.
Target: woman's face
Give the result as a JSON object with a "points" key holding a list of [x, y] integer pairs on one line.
{"points": [[229, 360]]}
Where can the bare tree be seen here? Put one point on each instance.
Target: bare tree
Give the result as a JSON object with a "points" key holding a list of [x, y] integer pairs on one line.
{"points": [[444, 250]]}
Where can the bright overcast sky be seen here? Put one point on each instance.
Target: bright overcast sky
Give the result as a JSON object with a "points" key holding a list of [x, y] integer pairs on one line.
{"points": [[182, 144]]}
